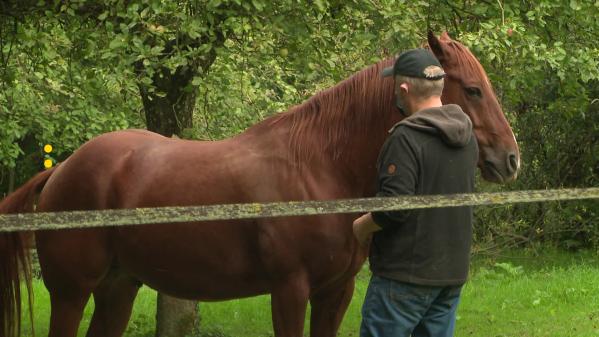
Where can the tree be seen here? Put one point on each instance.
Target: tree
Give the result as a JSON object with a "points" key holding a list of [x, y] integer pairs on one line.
{"points": [[71, 70]]}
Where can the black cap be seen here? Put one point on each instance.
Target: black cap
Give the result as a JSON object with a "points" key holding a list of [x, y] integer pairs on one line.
{"points": [[413, 63]]}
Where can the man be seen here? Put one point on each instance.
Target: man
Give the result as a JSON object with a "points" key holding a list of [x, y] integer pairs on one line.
{"points": [[419, 259]]}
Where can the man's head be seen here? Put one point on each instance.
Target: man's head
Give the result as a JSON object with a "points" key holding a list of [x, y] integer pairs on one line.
{"points": [[418, 77]]}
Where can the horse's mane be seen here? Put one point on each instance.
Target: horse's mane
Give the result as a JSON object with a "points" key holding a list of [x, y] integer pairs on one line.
{"points": [[340, 116]]}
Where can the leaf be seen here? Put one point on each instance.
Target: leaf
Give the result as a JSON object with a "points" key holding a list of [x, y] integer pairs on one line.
{"points": [[214, 3], [103, 16], [259, 5], [156, 50], [116, 43], [320, 4]]}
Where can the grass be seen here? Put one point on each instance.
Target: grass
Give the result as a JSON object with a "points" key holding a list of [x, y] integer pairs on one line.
{"points": [[521, 294]]}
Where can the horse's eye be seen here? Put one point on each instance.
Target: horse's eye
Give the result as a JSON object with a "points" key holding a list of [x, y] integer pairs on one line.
{"points": [[473, 92]]}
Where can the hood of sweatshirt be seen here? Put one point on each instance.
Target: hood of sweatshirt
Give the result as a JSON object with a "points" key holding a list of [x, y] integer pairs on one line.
{"points": [[448, 121]]}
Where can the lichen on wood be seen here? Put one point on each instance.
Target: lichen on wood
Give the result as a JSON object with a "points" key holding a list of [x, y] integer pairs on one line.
{"points": [[140, 216]]}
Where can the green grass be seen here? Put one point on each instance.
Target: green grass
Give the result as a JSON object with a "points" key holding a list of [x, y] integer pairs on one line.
{"points": [[527, 295], [521, 294]]}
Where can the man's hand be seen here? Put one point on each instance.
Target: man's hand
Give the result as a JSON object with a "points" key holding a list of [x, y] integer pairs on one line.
{"points": [[363, 227]]}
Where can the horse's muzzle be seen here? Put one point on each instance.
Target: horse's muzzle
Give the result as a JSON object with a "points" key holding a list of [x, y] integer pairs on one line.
{"points": [[501, 169]]}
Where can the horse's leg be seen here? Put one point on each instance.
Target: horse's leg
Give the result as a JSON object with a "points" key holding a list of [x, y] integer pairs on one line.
{"points": [[73, 263], [113, 303], [328, 308], [289, 301], [67, 309]]}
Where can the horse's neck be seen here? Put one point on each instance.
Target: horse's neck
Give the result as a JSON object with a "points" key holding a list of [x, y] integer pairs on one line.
{"points": [[340, 129], [343, 146], [361, 159]]}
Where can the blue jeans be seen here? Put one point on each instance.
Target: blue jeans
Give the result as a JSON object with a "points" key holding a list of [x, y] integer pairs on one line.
{"points": [[397, 309]]}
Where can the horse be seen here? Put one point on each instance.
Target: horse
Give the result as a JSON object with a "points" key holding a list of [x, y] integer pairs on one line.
{"points": [[323, 149]]}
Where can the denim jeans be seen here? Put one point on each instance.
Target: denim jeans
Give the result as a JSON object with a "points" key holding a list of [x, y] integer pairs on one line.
{"points": [[397, 309]]}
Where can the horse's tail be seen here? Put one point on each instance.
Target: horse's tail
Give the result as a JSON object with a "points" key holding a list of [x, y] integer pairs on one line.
{"points": [[14, 257]]}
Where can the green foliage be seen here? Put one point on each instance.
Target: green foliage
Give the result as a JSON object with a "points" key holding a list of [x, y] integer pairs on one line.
{"points": [[543, 61], [50, 92]]}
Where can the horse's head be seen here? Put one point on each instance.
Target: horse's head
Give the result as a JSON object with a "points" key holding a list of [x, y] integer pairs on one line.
{"points": [[467, 85]]}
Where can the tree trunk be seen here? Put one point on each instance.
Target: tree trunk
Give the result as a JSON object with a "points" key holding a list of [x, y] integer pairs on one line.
{"points": [[176, 317], [11, 180], [169, 107]]}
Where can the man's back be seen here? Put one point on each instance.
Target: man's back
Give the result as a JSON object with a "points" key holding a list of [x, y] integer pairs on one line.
{"points": [[431, 152]]}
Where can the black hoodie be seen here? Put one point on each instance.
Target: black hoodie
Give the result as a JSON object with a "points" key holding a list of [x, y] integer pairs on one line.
{"points": [[433, 151]]}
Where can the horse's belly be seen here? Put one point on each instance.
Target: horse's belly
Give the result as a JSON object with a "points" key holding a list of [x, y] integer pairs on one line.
{"points": [[200, 261]]}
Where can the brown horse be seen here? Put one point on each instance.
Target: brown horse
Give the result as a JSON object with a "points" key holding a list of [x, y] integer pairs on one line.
{"points": [[325, 148]]}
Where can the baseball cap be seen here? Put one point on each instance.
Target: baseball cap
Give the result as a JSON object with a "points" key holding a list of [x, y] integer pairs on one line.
{"points": [[413, 63]]}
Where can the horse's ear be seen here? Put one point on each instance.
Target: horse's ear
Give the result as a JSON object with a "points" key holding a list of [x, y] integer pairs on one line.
{"points": [[445, 36], [436, 46]]}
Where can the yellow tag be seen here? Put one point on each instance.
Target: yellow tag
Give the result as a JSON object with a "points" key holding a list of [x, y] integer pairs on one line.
{"points": [[47, 148], [48, 163]]}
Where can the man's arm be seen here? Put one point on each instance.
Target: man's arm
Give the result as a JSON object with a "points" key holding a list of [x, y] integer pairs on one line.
{"points": [[398, 176], [398, 172], [363, 227]]}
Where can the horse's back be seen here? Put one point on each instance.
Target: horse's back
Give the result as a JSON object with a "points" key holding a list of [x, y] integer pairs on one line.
{"points": [[140, 169], [82, 181]]}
